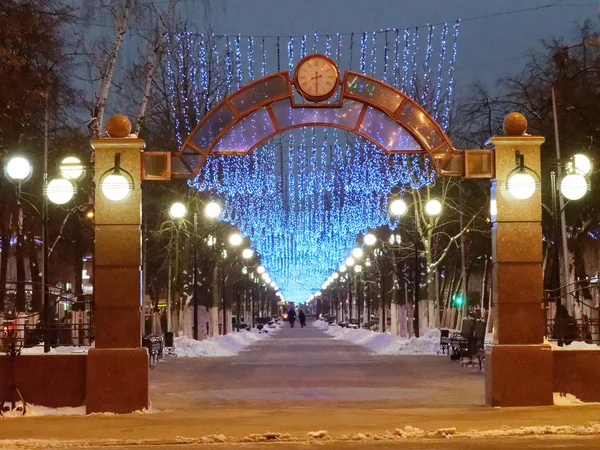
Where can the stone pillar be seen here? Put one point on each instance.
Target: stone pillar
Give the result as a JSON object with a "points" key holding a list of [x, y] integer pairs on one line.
{"points": [[519, 369], [117, 369]]}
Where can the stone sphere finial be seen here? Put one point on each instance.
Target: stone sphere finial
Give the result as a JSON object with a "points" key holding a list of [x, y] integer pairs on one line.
{"points": [[515, 124], [118, 126]]}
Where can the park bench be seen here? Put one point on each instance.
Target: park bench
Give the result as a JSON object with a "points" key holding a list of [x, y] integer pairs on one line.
{"points": [[262, 321]]}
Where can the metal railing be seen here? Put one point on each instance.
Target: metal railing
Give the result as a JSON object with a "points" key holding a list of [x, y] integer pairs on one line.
{"points": [[584, 330]]}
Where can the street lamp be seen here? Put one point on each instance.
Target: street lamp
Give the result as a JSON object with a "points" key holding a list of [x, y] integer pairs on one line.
{"points": [[370, 239], [520, 183], [398, 207], [343, 268], [573, 186], [357, 253], [178, 210], [260, 270], [236, 239], [433, 207], [247, 253], [60, 191], [349, 261], [116, 183], [212, 210], [18, 169], [71, 168]]}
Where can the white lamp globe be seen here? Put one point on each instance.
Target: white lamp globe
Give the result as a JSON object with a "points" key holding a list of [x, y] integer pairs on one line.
{"points": [[71, 168], [358, 268], [521, 185], [573, 186], [398, 207], [433, 207], [60, 191], [343, 268], [318, 294], [349, 261], [212, 210], [582, 164], [115, 187], [335, 275], [357, 253], [235, 239], [273, 284], [265, 276], [260, 269], [370, 239], [247, 253], [177, 210], [18, 168]]}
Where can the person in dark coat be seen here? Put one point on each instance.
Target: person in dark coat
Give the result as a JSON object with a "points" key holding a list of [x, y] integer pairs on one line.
{"points": [[302, 318], [292, 317]]}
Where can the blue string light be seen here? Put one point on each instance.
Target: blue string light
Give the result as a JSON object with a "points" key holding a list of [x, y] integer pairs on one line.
{"points": [[302, 199]]}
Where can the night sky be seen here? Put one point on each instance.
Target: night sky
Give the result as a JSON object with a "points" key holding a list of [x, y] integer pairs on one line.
{"points": [[488, 47]]}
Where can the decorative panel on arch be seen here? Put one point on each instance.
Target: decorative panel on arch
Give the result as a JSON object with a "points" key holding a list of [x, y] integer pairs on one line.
{"points": [[345, 116], [365, 106], [387, 133], [246, 133]]}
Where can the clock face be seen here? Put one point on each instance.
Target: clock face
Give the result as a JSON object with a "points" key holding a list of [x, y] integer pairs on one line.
{"points": [[316, 77]]}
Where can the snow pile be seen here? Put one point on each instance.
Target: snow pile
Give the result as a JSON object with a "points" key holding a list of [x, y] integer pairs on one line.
{"points": [[323, 325], [385, 343], [575, 345], [229, 345], [566, 399]]}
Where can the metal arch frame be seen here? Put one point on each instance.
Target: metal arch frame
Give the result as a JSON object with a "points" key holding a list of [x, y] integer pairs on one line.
{"points": [[266, 104]]}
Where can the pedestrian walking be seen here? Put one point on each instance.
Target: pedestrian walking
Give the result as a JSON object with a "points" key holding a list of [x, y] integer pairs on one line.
{"points": [[292, 317], [302, 319]]}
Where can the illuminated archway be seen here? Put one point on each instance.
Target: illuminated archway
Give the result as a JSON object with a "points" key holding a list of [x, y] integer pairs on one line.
{"points": [[365, 106]]}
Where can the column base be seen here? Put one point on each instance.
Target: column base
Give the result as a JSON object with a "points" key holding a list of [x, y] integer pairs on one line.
{"points": [[116, 380], [519, 375]]}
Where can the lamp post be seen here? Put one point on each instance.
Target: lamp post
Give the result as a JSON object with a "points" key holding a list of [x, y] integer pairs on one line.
{"points": [[572, 186], [59, 191], [177, 212], [432, 208]]}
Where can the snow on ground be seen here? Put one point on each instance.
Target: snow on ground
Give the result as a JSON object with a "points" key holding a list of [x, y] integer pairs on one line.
{"points": [[39, 350], [385, 343], [229, 345], [36, 410]]}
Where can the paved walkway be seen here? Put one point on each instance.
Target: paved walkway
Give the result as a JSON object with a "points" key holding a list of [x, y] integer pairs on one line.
{"points": [[304, 367], [298, 381]]}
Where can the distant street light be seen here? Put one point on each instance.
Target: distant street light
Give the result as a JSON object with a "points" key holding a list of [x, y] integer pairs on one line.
{"points": [[433, 207], [260, 270], [357, 253], [349, 261], [247, 253], [236, 239], [370, 239], [398, 207], [212, 210]]}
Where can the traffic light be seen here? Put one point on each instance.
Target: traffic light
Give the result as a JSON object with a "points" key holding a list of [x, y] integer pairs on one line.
{"points": [[458, 299]]}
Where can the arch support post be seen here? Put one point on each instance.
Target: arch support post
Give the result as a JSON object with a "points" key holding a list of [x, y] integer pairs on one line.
{"points": [[519, 366], [117, 368]]}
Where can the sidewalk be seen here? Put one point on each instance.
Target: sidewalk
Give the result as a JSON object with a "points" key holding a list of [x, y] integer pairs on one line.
{"points": [[298, 381]]}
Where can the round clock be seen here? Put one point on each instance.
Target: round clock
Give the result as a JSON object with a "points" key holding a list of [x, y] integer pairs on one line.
{"points": [[316, 77]]}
